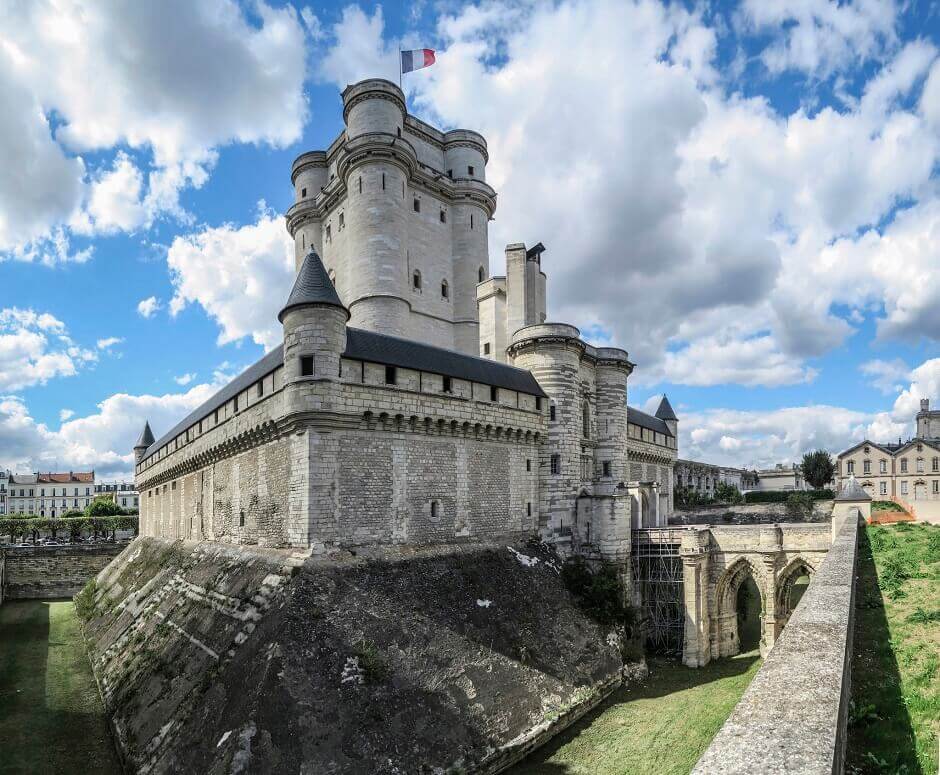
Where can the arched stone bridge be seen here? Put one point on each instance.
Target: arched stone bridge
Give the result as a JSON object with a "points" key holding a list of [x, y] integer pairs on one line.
{"points": [[716, 560]]}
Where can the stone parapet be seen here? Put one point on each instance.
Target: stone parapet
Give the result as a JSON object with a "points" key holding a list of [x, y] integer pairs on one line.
{"points": [[792, 718]]}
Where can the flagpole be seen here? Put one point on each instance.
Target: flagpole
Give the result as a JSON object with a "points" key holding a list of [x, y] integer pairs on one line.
{"points": [[399, 70]]}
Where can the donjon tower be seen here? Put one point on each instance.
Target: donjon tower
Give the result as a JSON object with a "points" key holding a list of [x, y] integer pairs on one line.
{"points": [[399, 212]]}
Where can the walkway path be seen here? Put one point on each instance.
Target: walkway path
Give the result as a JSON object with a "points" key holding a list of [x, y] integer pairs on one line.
{"points": [[659, 726], [51, 717]]}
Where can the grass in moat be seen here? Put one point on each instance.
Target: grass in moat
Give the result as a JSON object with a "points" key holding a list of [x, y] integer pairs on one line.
{"points": [[662, 725], [51, 716], [894, 717]]}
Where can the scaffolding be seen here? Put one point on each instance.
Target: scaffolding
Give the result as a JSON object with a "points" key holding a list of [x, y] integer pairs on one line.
{"points": [[657, 579]]}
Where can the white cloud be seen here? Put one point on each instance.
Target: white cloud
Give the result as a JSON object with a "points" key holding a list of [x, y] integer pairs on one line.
{"points": [[109, 342], [241, 276], [184, 379], [175, 81], [148, 307], [103, 440], [821, 37], [66, 414], [34, 348], [697, 226], [887, 375]]}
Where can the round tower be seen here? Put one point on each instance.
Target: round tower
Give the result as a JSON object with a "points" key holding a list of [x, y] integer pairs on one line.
{"points": [[613, 369], [308, 175]]}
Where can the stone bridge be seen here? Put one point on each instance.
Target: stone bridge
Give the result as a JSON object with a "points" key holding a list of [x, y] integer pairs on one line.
{"points": [[688, 579]]}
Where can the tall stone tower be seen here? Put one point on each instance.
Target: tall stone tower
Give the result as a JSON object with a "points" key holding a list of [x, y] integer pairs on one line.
{"points": [[398, 211]]}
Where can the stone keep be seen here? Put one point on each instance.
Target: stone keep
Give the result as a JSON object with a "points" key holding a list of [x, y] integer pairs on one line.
{"points": [[398, 212]]}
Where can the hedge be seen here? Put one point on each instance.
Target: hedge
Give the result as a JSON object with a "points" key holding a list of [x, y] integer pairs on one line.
{"points": [[32, 527], [780, 496]]}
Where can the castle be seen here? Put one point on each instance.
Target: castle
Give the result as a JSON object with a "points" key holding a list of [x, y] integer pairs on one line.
{"points": [[415, 399]]}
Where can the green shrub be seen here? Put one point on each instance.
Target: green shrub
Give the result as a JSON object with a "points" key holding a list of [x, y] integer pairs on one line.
{"points": [[800, 504], [85, 600], [374, 667], [885, 506], [780, 496]]}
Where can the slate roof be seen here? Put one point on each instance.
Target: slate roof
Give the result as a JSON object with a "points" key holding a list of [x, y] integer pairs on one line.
{"points": [[84, 477], [312, 286], [853, 492], [646, 421], [146, 436], [665, 411], [386, 350]]}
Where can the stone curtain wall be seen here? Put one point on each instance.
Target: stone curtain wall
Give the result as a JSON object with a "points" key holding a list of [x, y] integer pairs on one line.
{"points": [[52, 571], [792, 718]]}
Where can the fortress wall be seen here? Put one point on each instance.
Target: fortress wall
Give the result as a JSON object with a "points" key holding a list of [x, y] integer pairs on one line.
{"points": [[215, 658], [51, 571], [792, 717]]}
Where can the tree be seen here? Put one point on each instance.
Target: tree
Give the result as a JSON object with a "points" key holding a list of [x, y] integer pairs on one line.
{"points": [[103, 507], [818, 468], [728, 493]]}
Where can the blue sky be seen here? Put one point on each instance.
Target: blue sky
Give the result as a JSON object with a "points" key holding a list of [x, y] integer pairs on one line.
{"points": [[743, 195]]}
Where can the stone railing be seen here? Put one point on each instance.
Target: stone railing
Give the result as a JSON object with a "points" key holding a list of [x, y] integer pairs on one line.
{"points": [[792, 718]]}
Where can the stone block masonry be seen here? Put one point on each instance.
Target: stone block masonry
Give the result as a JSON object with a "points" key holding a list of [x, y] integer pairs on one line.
{"points": [[461, 658], [51, 571], [793, 716]]}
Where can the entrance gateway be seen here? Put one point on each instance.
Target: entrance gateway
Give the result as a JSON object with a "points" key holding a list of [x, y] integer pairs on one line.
{"points": [[686, 583]]}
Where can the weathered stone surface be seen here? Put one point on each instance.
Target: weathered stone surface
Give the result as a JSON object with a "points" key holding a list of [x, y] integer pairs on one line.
{"points": [[219, 658], [792, 718], [52, 571]]}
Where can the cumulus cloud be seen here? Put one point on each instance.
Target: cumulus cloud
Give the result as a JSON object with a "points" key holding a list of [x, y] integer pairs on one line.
{"points": [[149, 307], [184, 379], [35, 347], [109, 342], [65, 414], [241, 276], [697, 226], [182, 79], [761, 438], [887, 375], [103, 440]]}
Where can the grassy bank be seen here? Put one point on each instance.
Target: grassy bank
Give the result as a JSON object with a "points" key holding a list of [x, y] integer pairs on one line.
{"points": [[51, 718], [895, 712], [662, 725]]}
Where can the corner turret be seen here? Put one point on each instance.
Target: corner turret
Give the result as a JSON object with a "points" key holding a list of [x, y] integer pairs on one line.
{"points": [[143, 442], [666, 413]]}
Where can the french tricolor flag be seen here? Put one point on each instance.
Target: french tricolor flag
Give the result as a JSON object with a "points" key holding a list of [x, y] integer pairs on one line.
{"points": [[415, 60]]}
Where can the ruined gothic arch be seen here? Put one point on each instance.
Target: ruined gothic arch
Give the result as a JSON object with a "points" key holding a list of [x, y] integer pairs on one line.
{"points": [[783, 587], [725, 615]]}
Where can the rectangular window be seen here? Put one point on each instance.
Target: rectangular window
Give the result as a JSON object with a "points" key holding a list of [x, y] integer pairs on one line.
{"points": [[883, 488], [528, 464], [417, 205], [903, 488], [606, 468], [494, 393], [260, 388], [469, 170], [556, 464], [391, 375], [306, 365], [216, 416], [360, 184], [551, 413], [471, 220], [904, 465], [850, 467], [866, 466], [538, 404], [936, 486], [235, 403], [342, 220], [328, 233], [383, 181], [450, 174], [935, 466], [303, 192], [920, 465], [528, 509], [447, 388], [486, 348], [443, 216], [883, 466]]}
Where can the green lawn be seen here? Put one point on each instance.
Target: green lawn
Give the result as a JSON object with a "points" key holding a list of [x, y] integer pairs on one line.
{"points": [[51, 718], [659, 726], [895, 714]]}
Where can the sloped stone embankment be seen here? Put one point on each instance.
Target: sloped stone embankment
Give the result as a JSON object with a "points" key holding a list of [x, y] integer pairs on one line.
{"points": [[220, 659]]}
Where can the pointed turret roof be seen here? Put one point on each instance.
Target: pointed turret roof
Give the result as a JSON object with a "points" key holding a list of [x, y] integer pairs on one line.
{"points": [[146, 437], [312, 286], [665, 411], [853, 492]]}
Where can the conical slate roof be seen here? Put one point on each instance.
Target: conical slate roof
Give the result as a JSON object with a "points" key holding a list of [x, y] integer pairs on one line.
{"points": [[665, 411], [146, 437], [853, 491], [312, 286]]}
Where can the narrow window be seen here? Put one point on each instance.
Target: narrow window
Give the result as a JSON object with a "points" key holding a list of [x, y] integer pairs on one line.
{"points": [[528, 509], [328, 233], [434, 510], [444, 289], [416, 280], [447, 387], [241, 518], [486, 348], [360, 184], [235, 403], [303, 193], [551, 413], [260, 388], [481, 275], [383, 181], [216, 417], [606, 468], [391, 377], [342, 220], [469, 170], [528, 464], [556, 464], [494, 393], [200, 431], [306, 365], [303, 241], [417, 205], [443, 216], [538, 404], [173, 485], [398, 129], [471, 226]]}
